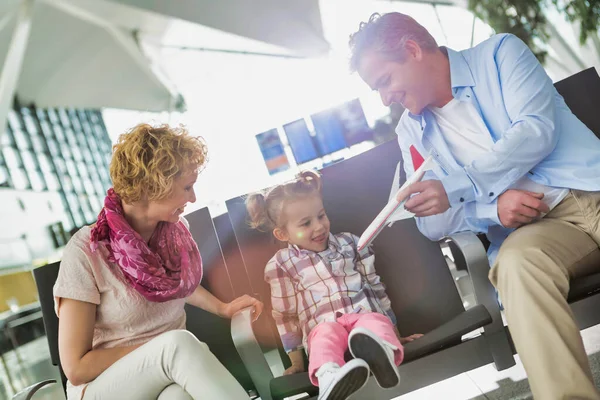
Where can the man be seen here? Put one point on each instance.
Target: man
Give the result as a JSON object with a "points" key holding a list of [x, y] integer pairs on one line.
{"points": [[510, 154]]}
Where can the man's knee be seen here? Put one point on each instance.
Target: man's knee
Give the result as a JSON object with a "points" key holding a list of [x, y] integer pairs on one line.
{"points": [[526, 265]]}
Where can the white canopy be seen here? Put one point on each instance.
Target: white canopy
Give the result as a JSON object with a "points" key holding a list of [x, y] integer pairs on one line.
{"points": [[292, 24], [79, 57]]}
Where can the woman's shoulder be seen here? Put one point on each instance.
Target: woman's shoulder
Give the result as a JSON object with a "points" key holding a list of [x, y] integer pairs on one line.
{"points": [[79, 243], [79, 255]]}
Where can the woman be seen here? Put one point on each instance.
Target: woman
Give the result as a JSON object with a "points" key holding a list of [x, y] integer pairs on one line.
{"points": [[123, 282]]}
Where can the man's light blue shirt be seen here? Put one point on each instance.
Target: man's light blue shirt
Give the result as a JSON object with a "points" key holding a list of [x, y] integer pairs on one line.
{"points": [[533, 130]]}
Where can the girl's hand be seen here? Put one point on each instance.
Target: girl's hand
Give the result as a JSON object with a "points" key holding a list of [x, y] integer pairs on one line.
{"points": [[404, 340], [229, 309]]}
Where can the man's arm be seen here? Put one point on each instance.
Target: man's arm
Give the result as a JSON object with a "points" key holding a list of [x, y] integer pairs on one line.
{"points": [[464, 217]]}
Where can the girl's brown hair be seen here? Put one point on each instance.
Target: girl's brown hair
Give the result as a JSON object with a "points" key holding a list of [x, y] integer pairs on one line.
{"points": [[266, 207]]}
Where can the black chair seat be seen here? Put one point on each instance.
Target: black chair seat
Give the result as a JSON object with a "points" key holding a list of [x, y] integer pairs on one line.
{"points": [[584, 287], [448, 334], [440, 338]]}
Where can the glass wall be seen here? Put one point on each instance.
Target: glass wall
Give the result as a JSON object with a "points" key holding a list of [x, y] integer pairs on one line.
{"points": [[60, 150]]}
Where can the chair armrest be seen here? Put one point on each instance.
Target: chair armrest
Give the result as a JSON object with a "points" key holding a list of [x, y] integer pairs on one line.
{"points": [[478, 268], [447, 334], [28, 392], [250, 352]]}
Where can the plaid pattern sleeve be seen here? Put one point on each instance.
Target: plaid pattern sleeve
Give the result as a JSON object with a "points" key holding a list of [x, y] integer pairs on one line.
{"points": [[365, 263], [283, 301]]}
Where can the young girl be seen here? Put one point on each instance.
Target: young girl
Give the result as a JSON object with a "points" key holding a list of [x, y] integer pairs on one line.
{"points": [[326, 296]]}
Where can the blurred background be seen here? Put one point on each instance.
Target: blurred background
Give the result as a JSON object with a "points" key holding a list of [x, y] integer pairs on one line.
{"points": [[265, 83]]}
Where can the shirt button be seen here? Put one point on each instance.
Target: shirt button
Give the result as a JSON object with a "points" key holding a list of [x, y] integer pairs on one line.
{"points": [[462, 200], [491, 194]]}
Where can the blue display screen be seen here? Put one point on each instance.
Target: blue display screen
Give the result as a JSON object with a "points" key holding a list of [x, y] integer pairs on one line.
{"points": [[300, 141], [272, 151], [329, 132], [356, 127]]}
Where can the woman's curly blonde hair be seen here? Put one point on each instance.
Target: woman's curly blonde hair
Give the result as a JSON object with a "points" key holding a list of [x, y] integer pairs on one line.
{"points": [[147, 159]]}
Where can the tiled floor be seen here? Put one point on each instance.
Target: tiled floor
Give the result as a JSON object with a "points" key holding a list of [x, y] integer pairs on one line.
{"points": [[484, 383]]}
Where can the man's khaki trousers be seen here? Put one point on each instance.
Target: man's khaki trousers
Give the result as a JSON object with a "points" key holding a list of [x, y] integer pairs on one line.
{"points": [[532, 274]]}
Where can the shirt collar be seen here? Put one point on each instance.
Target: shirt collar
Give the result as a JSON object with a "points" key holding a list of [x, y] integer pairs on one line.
{"points": [[460, 73], [333, 245]]}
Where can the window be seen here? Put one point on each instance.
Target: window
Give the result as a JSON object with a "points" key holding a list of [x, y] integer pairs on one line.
{"points": [[52, 116], [87, 210], [71, 168], [71, 137], [46, 129], [45, 164], [54, 149], [30, 124], [78, 217], [64, 117], [76, 153], [37, 181], [95, 204], [75, 121], [61, 166], [77, 184], [13, 120], [38, 144], [19, 178], [99, 160], [29, 160], [100, 189], [66, 150], [75, 209], [89, 187], [51, 181], [22, 139], [67, 183], [12, 157], [4, 178], [87, 128], [87, 156], [59, 133]]}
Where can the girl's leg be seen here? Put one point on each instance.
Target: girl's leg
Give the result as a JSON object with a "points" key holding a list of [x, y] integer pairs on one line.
{"points": [[327, 343], [382, 327]]}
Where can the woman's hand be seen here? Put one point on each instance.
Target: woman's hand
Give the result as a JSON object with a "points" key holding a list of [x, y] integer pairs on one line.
{"points": [[228, 309], [404, 340]]}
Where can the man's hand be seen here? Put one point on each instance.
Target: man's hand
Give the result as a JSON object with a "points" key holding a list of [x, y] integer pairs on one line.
{"points": [[430, 200], [518, 207]]}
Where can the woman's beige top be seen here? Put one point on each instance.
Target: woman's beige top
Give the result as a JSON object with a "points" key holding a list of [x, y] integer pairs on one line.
{"points": [[123, 316]]}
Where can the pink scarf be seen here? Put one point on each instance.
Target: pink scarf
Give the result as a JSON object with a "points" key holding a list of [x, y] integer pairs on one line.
{"points": [[168, 267]]}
